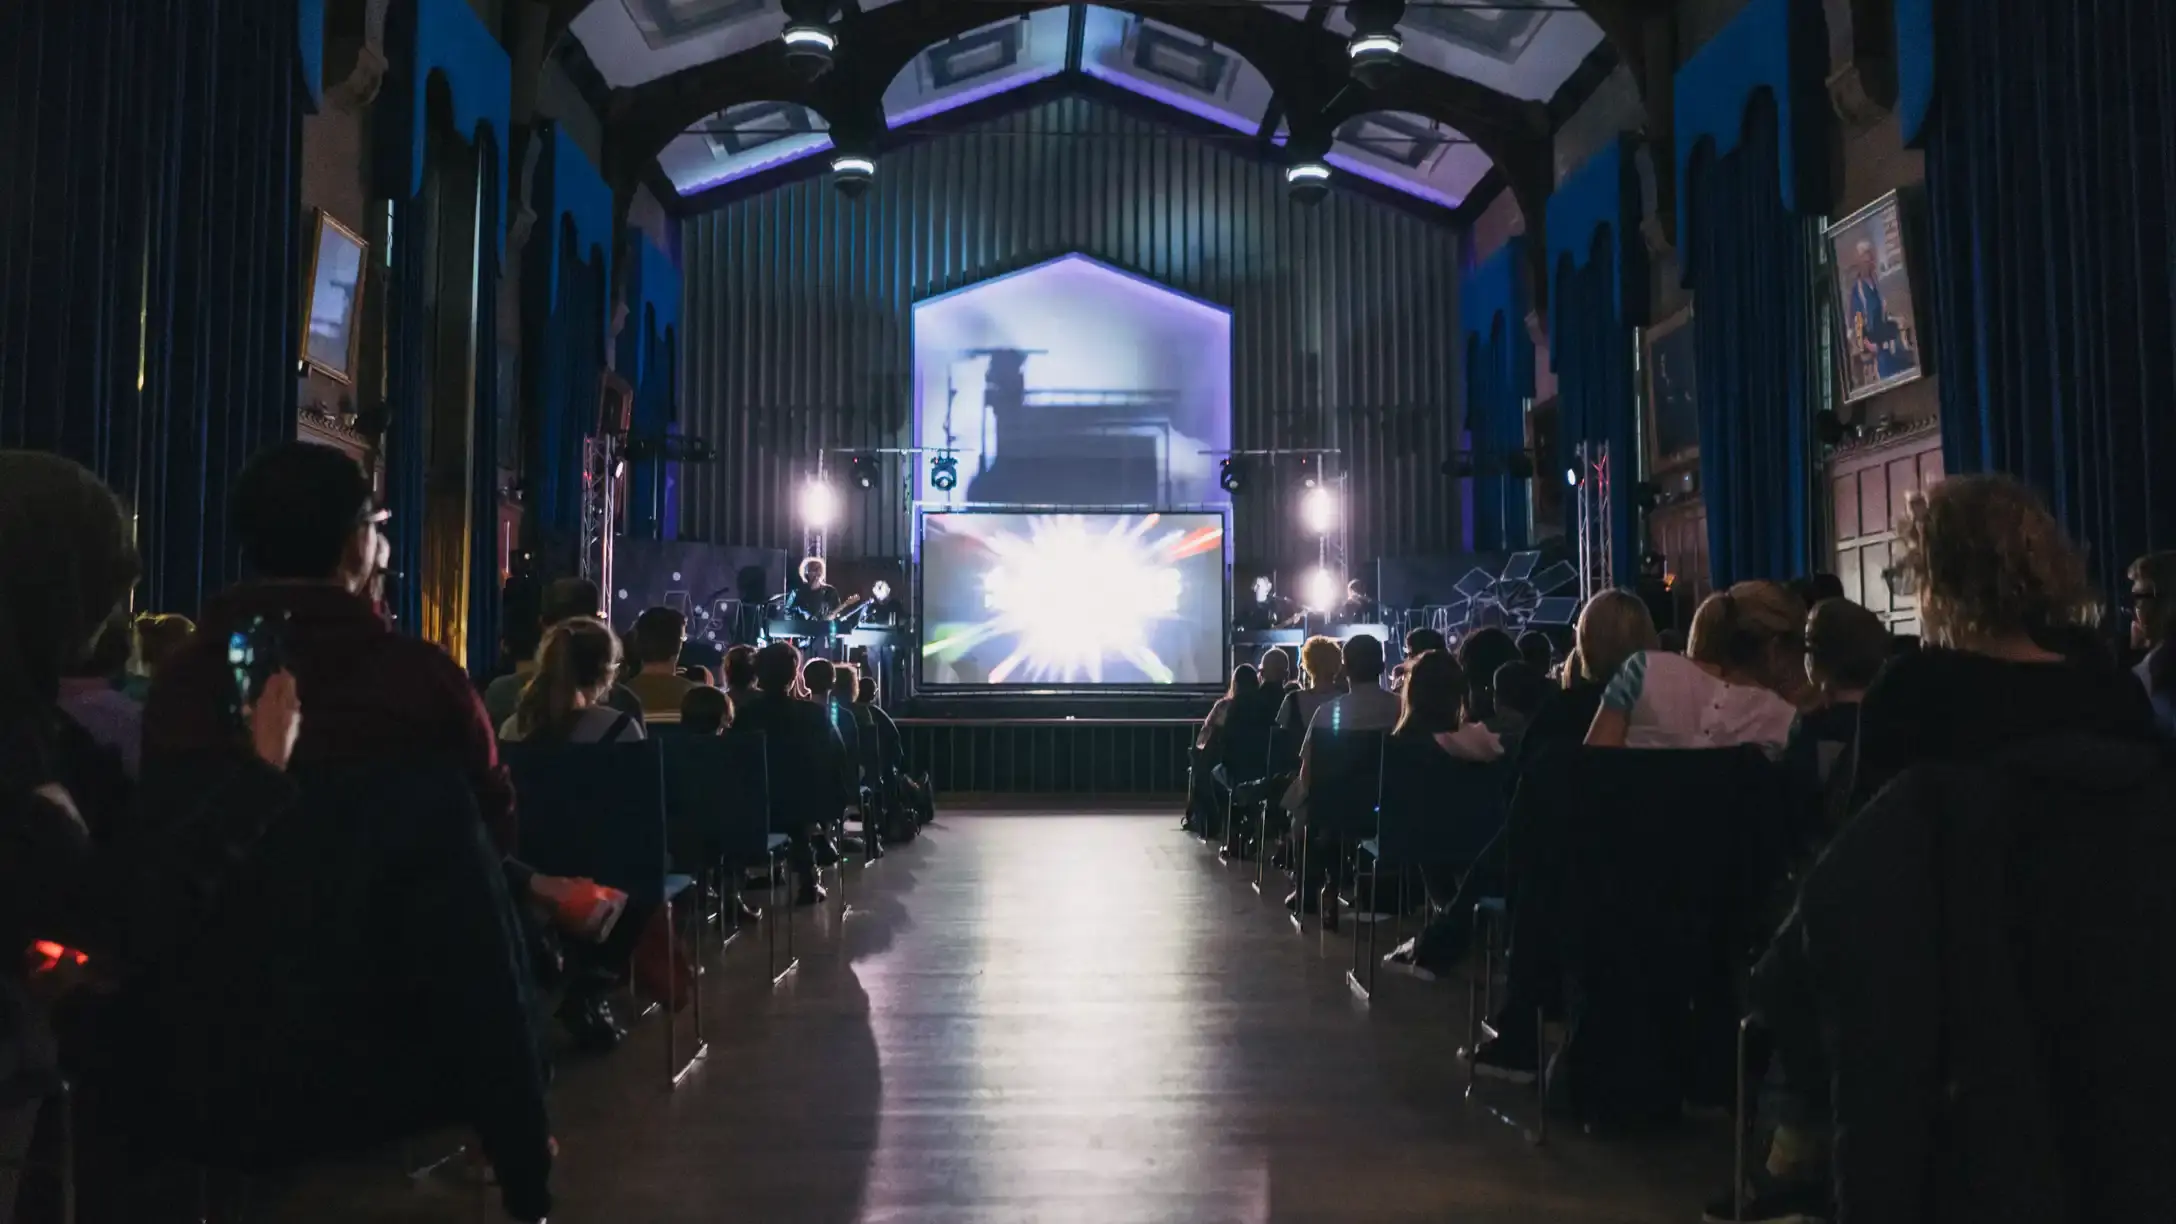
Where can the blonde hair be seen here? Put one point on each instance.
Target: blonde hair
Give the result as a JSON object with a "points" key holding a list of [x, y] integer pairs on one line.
{"points": [[1320, 657], [1734, 629], [1613, 627], [580, 658], [158, 636], [1985, 559]]}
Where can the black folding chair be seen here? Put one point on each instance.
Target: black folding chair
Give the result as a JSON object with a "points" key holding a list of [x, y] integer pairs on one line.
{"points": [[598, 810], [1344, 779], [717, 813], [1245, 759], [1433, 810]]}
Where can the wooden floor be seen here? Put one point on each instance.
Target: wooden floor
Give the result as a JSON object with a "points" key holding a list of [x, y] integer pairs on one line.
{"points": [[1049, 1019]]}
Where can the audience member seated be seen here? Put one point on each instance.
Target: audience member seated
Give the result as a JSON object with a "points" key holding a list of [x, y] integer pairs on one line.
{"points": [[1994, 576], [1520, 690], [1418, 641], [1846, 646], [1536, 648], [808, 761], [912, 793], [1814, 589], [698, 675], [1276, 669], [1366, 706], [1239, 708], [706, 711], [1967, 911], [1613, 627], [158, 636], [1747, 648], [2153, 633], [90, 693], [1320, 661], [1480, 654], [1432, 708], [564, 701], [308, 529], [655, 643], [563, 600], [819, 679], [740, 672]]}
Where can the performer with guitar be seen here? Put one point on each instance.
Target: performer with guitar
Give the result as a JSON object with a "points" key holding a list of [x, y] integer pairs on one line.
{"points": [[817, 600]]}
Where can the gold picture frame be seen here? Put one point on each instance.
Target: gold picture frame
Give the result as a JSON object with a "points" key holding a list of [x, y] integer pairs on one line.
{"points": [[333, 297], [1671, 414]]}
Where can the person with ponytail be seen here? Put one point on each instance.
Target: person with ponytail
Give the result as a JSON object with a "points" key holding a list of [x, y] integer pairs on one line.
{"points": [[1745, 656], [564, 701]]}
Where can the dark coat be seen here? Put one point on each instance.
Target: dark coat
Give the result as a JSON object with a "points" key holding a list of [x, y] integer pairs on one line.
{"points": [[1984, 958]]}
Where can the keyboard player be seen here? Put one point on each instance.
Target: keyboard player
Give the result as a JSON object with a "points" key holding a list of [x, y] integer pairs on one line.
{"points": [[814, 599]]}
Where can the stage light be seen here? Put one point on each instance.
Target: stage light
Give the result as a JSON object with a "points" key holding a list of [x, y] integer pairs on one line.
{"points": [[880, 590], [1310, 471], [808, 37], [1571, 477], [1231, 474], [1319, 509], [852, 173], [1307, 180], [1375, 44], [944, 473], [862, 471], [819, 503], [1323, 591]]}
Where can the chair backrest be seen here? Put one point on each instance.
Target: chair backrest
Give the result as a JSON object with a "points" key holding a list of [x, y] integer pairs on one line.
{"points": [[717, 798], [1284, 749], [1344, 780], [1434, 808], [1246, 753], [595, 810]]}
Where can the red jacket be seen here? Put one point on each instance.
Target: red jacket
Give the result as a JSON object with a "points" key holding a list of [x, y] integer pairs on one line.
{"points": [[367, 692]]}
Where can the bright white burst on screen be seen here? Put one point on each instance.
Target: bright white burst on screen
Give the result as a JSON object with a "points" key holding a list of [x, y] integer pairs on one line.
{"points": [[1069, 598]]}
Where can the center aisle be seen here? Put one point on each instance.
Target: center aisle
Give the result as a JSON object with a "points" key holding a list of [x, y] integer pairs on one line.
{"points": [[1074, 1018]]}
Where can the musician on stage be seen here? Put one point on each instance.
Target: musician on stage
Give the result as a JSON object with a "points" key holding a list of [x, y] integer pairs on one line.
{"points": [[1269, 609], [814, 599]]}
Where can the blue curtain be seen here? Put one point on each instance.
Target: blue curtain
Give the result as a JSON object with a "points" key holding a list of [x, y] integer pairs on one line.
{"points": [[2051, 182], [565, 287], [1499, 381], [150, 247], [1751, 262], [647, 360], [487, 586], [1592, 352], [1598, 300]]}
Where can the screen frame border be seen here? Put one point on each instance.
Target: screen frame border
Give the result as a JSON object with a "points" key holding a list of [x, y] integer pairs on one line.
{"points": [[922, 514]]}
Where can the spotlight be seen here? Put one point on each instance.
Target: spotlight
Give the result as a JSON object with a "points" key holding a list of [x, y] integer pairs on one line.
{"points": [[1319, 510], [1571, 477], [819, 503], [810, 41], [1231, 474], [1323, 591], [1310, 471], [862, 471], [852, 173], [1306, 181], [1375, 45], [944, 473], [880, 591]]}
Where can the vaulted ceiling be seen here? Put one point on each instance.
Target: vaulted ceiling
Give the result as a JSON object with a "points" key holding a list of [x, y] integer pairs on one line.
{"points": [[705, 88]]}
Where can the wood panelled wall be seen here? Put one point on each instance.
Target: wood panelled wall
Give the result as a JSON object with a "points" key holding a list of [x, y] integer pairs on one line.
{"points": [[798, 311], [1868, 489]]}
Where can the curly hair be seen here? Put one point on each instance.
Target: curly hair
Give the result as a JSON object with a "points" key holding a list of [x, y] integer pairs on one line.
{"points": [[1986, 559]]}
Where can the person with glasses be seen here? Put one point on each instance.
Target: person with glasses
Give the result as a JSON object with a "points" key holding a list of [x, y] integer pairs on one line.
{"points": [[2001, 591], [2153, 633]]}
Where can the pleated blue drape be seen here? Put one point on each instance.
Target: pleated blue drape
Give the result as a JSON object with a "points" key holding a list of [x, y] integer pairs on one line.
{"points": [[1499, 381], [1598, 300], [2051, 184], [1751, 262], [150, 248], [566, 282], [648, 361]]}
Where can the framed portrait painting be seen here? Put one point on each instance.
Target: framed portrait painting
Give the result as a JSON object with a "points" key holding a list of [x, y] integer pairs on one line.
{"points": [[1876, 301], [337, 259], [1673, 394]]}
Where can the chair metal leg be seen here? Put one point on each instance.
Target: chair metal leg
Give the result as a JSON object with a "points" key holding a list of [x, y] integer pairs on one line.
{"points": [[1299, 886], [1541, 1076], [1738, 1118]]}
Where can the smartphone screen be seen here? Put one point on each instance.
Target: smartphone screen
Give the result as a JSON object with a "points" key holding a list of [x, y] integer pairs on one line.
{"points": [[253, 656]]}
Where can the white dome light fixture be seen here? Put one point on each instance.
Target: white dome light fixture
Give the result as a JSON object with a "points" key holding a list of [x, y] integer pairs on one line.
{"points": [[1307, 180], [852, 173], [1375, 45]]}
